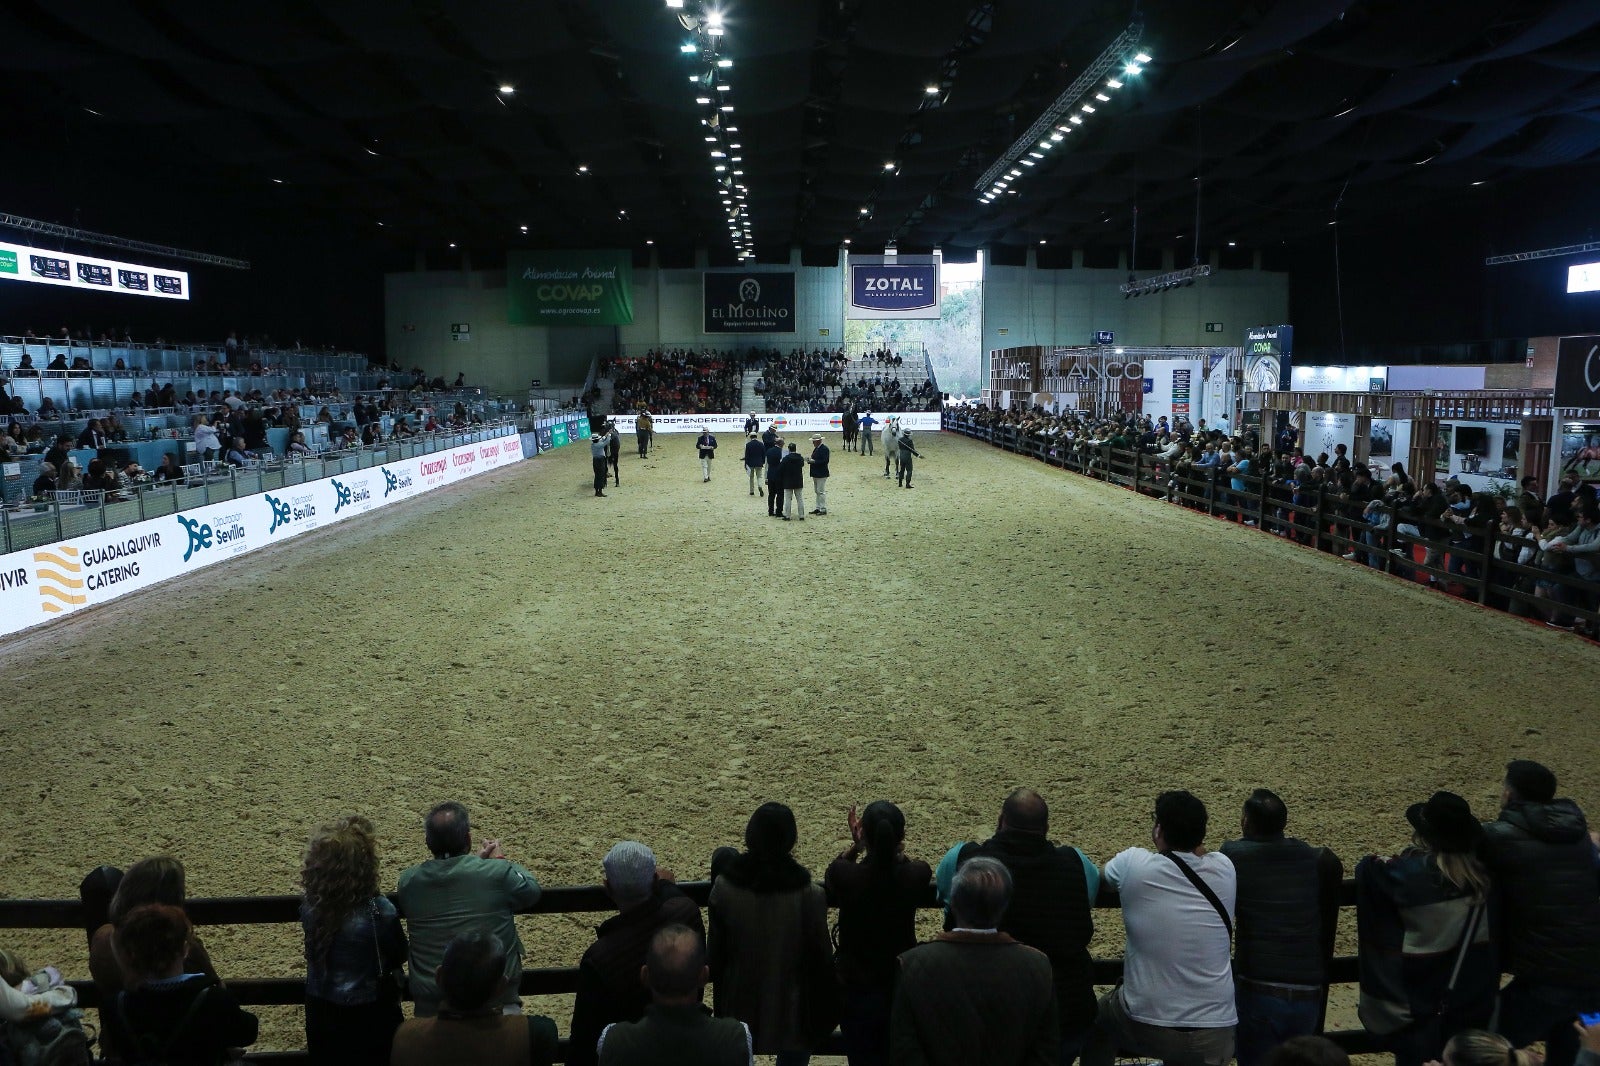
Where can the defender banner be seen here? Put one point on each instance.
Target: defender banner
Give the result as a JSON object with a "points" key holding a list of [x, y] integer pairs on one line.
{"points": [[830, 422], [39, 584], [738, 301], [18, 262], [900, 286], [593, 288]]}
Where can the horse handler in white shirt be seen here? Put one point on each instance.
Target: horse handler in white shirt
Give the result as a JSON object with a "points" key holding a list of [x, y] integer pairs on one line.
{"points": [[1176, 1000]]}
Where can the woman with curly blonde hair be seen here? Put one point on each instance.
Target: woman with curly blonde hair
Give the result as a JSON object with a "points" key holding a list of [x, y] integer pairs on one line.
{"points": [[354, 947]]}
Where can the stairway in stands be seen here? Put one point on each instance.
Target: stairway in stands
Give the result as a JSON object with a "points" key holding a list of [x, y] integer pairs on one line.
{"points": [[749, 399], [603, 402]]}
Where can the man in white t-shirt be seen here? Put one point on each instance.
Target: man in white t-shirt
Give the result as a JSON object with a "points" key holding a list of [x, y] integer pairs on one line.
{"points": [[1176, 1000]]}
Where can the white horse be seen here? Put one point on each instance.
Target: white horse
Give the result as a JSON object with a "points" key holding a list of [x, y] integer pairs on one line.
{"points": [[890, 439]]}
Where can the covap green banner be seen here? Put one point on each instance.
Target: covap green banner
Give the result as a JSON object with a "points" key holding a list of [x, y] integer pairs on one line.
{"points": [[593, 288]]}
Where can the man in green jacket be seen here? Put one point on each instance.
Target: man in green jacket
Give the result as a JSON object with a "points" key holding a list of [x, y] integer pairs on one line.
{"points": [[461, 891]]}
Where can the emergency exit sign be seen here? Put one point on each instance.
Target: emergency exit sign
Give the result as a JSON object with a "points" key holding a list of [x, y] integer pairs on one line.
{"points": [[460, 331], [1213, 327]]}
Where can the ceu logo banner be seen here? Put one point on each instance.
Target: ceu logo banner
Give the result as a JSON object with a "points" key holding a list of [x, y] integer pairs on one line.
{"points": [[901, 286], [60, 577], [1578, 372], [747, 302]]}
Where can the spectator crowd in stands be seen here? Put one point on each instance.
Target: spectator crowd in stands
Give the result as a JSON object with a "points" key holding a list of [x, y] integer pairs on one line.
{"points": [[677, 381], [1558, 535], [1226, 954], [684, 381], [828, 380]]}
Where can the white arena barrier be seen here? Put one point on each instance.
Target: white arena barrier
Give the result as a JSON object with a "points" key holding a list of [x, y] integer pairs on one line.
{"points": [[45, 583], [919, 421]]}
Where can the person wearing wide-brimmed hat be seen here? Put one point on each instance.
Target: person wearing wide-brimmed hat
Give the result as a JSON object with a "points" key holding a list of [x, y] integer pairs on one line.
{"points": [[1428, 967]]}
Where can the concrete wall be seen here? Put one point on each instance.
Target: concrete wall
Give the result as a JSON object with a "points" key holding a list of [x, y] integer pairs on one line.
{"points": [[1068, 307], [1045, 307]]}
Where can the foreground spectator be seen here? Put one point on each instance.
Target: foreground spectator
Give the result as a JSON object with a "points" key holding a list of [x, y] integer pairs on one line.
{"points": [[159, 879], [769, 949], [877, 890], [975, 995], [609, 989], [1475, 1047], [1542, 859], [470, 1028], [24, 999], [460, 891], [1287, 906], [170, 1015], [1176, 1002], [1053, 892], [1427, 967], [675, 1027], [354, 948]]}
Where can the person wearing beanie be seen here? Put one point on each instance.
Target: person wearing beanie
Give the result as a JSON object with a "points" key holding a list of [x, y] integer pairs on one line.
{"points": [[1427, 961], [609, 989], [1543, 860]]}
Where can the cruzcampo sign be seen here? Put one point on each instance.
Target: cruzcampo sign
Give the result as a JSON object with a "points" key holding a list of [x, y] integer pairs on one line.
{"points": [[593, 288]]}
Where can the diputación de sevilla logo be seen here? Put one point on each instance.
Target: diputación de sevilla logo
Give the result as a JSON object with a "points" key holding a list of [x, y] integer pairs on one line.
{"points": [[60, 578]]}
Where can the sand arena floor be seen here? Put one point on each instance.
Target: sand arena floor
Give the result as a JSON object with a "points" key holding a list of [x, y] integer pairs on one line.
{"points": [[656, 664]]}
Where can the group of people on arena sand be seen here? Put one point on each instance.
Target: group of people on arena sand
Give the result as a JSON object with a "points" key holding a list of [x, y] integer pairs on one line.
{"points": [[774, 467]]}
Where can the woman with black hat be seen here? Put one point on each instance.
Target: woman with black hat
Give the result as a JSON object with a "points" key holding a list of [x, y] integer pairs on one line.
{"points": [[1428, 968]]}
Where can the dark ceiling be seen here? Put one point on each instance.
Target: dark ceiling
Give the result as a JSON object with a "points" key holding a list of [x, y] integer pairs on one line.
{"points": [[161, 116]]}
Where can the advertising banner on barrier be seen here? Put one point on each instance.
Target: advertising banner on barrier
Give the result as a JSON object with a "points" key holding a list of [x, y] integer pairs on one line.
{"points": [[896, 286], [593, 288], [748, 301], [42, 583], [18, 262], [810, 423]]}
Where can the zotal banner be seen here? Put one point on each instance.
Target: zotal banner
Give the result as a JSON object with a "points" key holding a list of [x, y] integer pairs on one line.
{"points": [[42, 266], [593, 288], [740, 301], [900, 286]]}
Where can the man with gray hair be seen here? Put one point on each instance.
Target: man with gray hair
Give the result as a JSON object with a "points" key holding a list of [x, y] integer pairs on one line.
{"points": [[975, 994], [462, 890], [609, 989]]}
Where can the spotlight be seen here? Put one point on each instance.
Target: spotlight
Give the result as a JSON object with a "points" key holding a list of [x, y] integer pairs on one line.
{"points": [[724, 63], [507, 90], [932, 90], [583, 168], [688, 48], [1141, 58]]}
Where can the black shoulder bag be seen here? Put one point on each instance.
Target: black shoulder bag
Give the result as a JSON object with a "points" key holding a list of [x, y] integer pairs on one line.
{"points": [[1205, 890]]}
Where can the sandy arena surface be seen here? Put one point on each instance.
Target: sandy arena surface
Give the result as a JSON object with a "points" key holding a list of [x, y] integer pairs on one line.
{"points": [[656, 664]]}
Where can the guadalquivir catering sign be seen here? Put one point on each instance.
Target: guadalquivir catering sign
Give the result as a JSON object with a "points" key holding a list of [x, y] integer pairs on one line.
{"points": [[739, 301]]}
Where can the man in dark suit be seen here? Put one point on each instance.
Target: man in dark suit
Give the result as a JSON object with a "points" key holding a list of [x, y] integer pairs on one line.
{"points": [[975, 994], [775, 477], [706, 446], [793, 469], [819, 473], [92, 436], [755, 462]]}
